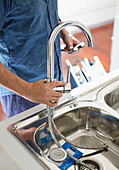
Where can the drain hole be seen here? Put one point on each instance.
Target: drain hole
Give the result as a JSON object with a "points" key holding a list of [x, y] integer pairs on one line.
{"points": [[91, 164]]}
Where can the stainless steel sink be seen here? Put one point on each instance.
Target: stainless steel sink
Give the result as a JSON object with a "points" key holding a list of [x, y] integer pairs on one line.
{"points": [[110, 96], [91, 127], [112, 99], [95, 132]]}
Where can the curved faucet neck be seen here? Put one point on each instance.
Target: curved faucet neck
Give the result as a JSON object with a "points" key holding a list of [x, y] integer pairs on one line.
{"points": [[50, 58]]}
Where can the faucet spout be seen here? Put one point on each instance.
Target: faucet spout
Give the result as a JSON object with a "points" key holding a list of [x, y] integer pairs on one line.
{"points": [[50, 58]]}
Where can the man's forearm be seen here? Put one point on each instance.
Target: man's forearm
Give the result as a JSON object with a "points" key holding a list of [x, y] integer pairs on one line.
{"points": [[38, 92], [10, 81]]}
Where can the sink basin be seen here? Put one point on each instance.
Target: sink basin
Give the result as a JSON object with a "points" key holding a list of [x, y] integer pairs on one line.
{"points": [[93, 131], [112, 99]]}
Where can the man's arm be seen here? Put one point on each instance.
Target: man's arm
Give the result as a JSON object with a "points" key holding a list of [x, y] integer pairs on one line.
{"points": [[38, 92]]}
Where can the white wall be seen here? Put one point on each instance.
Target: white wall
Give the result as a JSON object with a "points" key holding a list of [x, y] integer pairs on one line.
{"points": [[90, 12], [115, 42]]}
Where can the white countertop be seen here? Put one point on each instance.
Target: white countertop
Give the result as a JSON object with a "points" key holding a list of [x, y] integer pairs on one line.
{"points": [[13, 155]]}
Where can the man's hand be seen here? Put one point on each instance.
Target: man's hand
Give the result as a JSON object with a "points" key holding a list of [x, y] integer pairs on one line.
{"points": [[69, 40], [42, 92]]}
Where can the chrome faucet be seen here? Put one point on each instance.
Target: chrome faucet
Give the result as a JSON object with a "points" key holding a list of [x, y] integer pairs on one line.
{"points": [[50, 72], [50, 58]]}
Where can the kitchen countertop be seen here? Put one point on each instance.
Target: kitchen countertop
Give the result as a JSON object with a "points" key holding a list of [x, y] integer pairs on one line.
{"points": [[13, 155]]}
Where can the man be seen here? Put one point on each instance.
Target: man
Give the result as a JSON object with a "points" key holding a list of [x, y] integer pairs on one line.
{"points": [[25, 27]]}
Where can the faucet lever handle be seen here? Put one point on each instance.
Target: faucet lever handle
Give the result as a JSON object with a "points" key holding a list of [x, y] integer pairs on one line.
{"points": [[67, 88], [68, 74], [77, 48]]}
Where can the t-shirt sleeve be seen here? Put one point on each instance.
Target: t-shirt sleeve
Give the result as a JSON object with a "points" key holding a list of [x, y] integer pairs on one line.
{"points": [[4, 5]]}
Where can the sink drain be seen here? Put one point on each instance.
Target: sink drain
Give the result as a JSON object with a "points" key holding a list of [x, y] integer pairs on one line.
{"points": [[58, 154], [94, 165]]}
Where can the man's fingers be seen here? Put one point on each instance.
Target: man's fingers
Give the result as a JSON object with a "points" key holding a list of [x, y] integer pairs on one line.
{"points": [[56, 94], [57, 83], [51, 104], [53, 101], [48, 94], [68, 48]]}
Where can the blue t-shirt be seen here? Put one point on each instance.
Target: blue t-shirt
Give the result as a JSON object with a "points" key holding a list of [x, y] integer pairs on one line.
{"points": [[25, 27]]}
